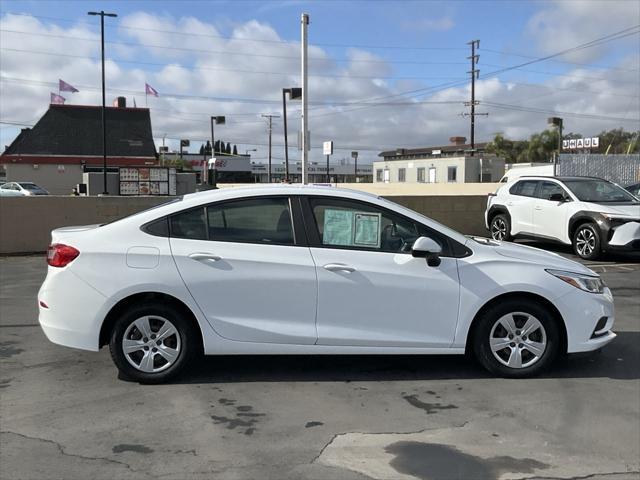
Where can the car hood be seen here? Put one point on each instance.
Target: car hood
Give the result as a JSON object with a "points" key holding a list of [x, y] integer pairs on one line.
{"points": [[536, 255], [622, 209]]}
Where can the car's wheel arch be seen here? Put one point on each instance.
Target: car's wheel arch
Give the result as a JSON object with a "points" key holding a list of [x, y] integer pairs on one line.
{"points": [[497, 210], [517, 295], [582, 217], [150, 296]]}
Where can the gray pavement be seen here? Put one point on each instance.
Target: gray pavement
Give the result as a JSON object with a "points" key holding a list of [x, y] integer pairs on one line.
{"points": [[65, 414]]}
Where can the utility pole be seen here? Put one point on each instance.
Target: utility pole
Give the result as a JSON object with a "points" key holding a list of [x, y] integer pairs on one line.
{"points": [[103, 14], [475, 73], [270, 117], [304, 21]]}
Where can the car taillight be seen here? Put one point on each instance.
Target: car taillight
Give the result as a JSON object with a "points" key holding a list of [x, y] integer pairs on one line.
{"points": [[60, 255]]}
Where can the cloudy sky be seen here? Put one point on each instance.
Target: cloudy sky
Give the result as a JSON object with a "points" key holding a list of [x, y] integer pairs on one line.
{"points": [[383, 74]]}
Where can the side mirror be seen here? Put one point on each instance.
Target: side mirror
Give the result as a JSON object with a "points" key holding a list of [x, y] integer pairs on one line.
{"points": [[557, 197], [425, 247]]}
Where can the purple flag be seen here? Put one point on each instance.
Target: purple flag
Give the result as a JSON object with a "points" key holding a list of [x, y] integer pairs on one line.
{"points": [[57, 99], [149, 90], [65, 87]]}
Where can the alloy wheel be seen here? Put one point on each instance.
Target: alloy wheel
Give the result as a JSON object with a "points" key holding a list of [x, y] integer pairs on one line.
{"points": [[498, 229], [518, 340], [151, 344], [585, 242]]}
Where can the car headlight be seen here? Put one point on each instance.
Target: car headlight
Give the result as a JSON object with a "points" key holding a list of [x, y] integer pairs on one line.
{"points": [[583, 282]]}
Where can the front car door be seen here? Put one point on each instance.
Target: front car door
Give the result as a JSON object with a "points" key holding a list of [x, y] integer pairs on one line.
{"points": [[371, 290], [550, 216], [248, 269]]}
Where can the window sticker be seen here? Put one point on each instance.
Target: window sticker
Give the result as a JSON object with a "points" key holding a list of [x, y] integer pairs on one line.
{"points": [[352, 229], [338, 227], [367, 229]]}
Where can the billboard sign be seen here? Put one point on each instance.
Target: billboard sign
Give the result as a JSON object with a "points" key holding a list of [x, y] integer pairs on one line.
{"points": [[581, 143]]}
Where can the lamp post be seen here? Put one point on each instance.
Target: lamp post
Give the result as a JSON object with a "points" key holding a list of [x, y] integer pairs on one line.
{"points": [[103, 14], [294, 94], [557, 121], [220, 120], [354, 155], [250, 150]]}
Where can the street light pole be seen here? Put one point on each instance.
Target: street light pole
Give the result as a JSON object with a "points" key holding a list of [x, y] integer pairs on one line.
{"points": [[104, 123], [220, 119], [270, 117], [294, 93], [557, 121], [354, 155], [304, 21]]}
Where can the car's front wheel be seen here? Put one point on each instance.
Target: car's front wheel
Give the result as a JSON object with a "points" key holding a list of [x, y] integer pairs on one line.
{"points": [[500, 227], [586, 241], [152, 343], [516, 338]]}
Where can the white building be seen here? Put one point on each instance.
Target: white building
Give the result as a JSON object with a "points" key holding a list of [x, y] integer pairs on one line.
{"points": [[443, 164]]}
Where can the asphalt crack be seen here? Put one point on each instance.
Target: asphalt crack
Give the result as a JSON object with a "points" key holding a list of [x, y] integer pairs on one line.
{"points": [[74, 455]]}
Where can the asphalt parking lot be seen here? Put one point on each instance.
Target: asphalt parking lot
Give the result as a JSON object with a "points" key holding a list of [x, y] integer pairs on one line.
{"points": [[65, 414]]}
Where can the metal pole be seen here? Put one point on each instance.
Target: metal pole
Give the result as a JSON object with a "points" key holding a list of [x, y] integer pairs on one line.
{"points": [[305, 98], [355, 180], [473, 97], [286, 142], [328, 178], [104, 123], [213, 152], [269, 172]]}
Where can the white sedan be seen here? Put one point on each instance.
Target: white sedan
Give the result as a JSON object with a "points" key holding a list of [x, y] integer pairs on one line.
{"points": [[311, 270]]}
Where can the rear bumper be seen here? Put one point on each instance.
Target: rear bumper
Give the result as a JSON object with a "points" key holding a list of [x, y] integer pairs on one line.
{"points": [[69, 318]]}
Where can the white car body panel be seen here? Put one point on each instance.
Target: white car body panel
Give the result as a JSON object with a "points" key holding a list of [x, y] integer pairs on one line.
{"points": [[119, 260]]}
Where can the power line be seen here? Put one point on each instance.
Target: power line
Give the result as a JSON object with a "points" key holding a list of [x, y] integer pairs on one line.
{"points": [[219, 69], [506, 106], [235, 39], [218, 52]]}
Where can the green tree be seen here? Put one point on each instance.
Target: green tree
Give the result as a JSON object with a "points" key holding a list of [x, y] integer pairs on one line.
{"points": [[228, 149], [235, 150]]}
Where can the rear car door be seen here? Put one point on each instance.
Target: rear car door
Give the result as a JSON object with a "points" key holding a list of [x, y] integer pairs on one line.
{"points": [[371, 290], [520, 203], [248, 269], [550, 216]]}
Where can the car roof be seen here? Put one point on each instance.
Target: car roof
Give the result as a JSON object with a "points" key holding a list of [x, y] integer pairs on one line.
{"points": [[560, 178]]}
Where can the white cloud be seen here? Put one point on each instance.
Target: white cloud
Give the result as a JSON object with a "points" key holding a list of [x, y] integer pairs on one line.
{"points": [[561, 25], [194, 75]]}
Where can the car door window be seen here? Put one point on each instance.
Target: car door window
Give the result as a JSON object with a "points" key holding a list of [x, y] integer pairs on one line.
{"points": [[525, 188], [190, 224], [261, 220], [549, 188], [357, 225]]}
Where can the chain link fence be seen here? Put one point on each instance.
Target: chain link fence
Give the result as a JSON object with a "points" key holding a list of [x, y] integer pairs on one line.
{"points": [[621, 169]]}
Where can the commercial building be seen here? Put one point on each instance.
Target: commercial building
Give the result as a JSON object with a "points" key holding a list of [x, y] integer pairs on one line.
{"points": [[241, 169], [67, 141], [440, 164]]}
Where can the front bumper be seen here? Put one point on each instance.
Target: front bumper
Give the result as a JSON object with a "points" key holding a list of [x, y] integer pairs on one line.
{"points": [[581, 312], [624, 237]]}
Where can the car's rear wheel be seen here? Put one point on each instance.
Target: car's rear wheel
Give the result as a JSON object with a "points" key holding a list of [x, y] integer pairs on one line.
{"points": [[516, 338], [586, 241], [500, 227], [152, 343]]}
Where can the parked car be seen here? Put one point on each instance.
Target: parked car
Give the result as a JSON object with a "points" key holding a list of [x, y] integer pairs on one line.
{"points": [[634, 189], [22, 188], [311, 270], [9, 192], [591, 214]]}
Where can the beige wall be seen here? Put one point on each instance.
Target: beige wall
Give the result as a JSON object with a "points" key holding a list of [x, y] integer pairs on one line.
{"points": [[468, 168], [26, 222]]}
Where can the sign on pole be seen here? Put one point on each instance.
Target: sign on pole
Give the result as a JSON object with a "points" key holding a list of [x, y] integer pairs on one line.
{"points": [[327, 148]]}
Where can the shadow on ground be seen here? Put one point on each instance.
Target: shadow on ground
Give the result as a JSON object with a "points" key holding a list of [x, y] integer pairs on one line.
{"points": [[620, 360]]}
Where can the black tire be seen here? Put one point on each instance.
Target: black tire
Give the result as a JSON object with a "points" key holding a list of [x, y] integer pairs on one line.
{"points": [[184, 342], [586, 241], [500, 227], [524, 309]]}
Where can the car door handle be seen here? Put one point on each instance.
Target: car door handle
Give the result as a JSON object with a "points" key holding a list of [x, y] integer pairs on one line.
{"points": [[203, 256], [538, 207], [510, 204], [339, 267]]}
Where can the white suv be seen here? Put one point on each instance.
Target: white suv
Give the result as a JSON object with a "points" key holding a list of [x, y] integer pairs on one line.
{"points": [[592, 214]]}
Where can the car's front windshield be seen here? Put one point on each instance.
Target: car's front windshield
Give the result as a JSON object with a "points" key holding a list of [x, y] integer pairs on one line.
{"points": [[598, 191]]}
